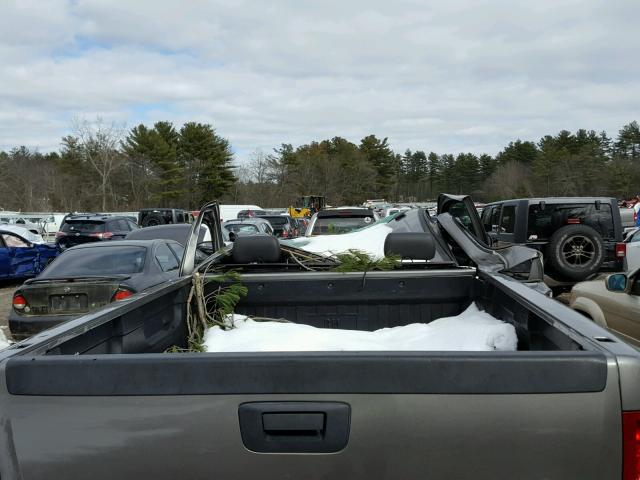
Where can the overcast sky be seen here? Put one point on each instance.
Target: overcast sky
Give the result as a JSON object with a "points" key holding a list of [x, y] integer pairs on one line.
{"points": [[447, 76]]}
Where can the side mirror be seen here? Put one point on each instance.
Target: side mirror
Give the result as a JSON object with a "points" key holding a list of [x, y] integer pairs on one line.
{"points": [[616, 282], [232, 236]]}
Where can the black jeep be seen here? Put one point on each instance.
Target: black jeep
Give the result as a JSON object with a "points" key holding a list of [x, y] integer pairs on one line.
{"points": [[151, 217], [579, 236]]}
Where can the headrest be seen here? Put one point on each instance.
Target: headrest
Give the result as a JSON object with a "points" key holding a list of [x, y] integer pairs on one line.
{"points": [[256, 248], [410, 245]]}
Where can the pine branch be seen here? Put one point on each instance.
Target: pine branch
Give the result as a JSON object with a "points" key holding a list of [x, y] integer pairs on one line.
{"points": [[358, 261]]}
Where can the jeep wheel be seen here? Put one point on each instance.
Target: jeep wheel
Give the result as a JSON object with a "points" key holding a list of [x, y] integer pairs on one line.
{"points": [[576, 251], [152, 220]]}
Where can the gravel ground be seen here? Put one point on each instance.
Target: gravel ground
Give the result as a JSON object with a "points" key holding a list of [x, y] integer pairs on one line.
{"points": [[6, 293]]}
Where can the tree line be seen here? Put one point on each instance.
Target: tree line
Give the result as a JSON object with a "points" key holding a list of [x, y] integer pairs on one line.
{"points": [[101, 167], [584, 163]]}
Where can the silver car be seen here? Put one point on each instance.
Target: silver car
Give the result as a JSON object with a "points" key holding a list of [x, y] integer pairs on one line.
{"points": [[245, 226]]}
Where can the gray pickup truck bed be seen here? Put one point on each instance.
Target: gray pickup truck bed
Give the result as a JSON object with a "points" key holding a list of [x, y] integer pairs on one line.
{"points": [[96, 397]]}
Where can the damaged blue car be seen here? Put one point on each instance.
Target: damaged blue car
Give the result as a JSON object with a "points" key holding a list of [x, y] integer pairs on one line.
{"points": [[23, 253]]}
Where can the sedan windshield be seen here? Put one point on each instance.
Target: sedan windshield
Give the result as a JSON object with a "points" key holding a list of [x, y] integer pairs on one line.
{"points": [[113, 260], [242, 228], [338, 225]]}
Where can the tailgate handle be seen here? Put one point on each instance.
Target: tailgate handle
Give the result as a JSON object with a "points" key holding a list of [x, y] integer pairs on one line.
{"points": [[304, 424], [294, 427]]}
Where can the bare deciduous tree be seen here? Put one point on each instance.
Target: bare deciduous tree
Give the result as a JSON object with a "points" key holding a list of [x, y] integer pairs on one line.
{"points": [[98, 142]]}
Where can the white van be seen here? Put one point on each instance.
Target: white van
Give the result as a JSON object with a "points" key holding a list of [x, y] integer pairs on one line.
{"points": [[230, 212]]}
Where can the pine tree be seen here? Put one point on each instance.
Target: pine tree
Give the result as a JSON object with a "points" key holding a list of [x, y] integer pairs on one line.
{"points": [[465, 173], [164, 153], [382, 158], [487, 165], [447, 175], [152, 156], [434, 169], [628, 142], [518, 151], [206, 158]]}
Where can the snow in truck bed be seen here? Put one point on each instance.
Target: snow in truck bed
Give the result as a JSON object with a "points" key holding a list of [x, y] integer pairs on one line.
{"points": [[472, 330]]}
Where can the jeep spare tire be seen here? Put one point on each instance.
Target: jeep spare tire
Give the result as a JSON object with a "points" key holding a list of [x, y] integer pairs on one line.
{"points": [[576, 251], [152, 219]]}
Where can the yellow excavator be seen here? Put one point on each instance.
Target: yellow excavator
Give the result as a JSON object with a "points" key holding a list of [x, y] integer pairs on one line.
{"points": [[310, 205]]}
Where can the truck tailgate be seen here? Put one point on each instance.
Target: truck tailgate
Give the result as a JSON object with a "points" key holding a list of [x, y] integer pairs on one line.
{"points": [[542, 415]]}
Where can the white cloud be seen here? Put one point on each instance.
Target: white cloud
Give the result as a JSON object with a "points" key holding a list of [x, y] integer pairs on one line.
{"points": [[437, 75]]}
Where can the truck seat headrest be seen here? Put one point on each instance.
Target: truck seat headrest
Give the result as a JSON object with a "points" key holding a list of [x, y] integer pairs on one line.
{"points": [[410, 245], [256, 248]]}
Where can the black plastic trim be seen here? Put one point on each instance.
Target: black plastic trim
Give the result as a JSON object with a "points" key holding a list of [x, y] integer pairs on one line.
{"points": [[308, 372], [295, 427]]}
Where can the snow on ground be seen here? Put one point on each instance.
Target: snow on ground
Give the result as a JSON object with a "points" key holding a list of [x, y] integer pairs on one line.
{"points": [[3, 340], [369, 240], [472, 330]]}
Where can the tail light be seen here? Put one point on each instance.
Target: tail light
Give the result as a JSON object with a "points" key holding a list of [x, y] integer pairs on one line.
{"points": [[573, 221], [285, 234], [621, 250], [121, 294], [631, 445], [19, 302], [103, 236]]}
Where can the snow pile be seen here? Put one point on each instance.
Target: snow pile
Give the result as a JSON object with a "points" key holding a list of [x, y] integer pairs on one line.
{"points": [[4, 343], [472, 330], [369, 240]]}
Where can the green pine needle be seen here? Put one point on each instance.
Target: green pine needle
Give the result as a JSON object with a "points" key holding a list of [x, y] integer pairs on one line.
{"points": [[358, 261]]}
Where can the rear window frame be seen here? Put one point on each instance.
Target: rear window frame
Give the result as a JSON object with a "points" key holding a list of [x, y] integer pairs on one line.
{"points": [[65, 226], [241, 224], [319, 222], [85, 253]]}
